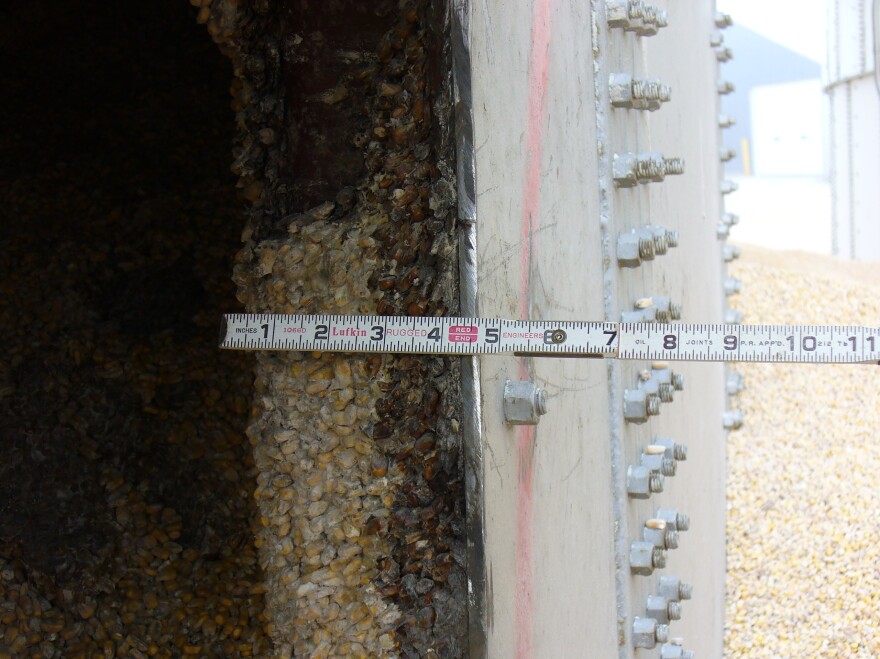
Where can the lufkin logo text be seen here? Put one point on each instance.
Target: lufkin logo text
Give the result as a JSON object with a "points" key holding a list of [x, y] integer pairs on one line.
{"points": [[348, 331]]}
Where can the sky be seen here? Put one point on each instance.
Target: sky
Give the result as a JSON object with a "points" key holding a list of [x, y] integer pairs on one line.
{"points": [[796, 24]]}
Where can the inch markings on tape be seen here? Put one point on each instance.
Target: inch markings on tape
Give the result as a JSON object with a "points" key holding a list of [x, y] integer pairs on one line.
{"points": [[544, 338]]}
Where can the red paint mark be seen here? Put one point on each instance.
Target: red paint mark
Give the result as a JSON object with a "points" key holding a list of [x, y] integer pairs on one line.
{"points": [[539, 62]]}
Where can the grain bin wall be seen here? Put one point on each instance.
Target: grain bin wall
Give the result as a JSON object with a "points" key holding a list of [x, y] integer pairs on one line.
{"points": [[855, 116], [559, 523]]}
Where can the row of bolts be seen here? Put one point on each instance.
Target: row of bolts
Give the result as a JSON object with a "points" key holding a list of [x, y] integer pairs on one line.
{"points": [[524, 402], [659, 383]]}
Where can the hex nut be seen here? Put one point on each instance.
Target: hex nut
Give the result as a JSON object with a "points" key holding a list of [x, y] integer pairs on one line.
{"points": [[664, 538], [617, 14], [724, 54], [647, 632], [733, 317], [674, 651], [735, 383], [641, 482], [674, 589], [728, 186], [659, 463], [722, 20], [645, 315], [731, 253], [732, 286], [666, 309], [662, 609], [674, 520], [638, 405], [620, 90], [644, 558], [623, 170], [628, 250], [674, 450], [733, 419], [524, 402]]}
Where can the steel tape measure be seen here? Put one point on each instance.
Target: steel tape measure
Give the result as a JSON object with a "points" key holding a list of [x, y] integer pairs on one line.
{"points": [[815, 344]]}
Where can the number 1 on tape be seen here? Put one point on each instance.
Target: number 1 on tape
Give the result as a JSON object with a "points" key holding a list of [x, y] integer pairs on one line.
{"points": [[463, 336]]}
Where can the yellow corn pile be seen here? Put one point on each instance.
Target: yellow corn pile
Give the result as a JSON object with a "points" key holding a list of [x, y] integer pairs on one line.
{"points": [[802, 533]]}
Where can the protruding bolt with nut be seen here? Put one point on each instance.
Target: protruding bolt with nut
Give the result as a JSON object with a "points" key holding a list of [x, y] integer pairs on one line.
{"points": [[644, 244], [725, 87], [635, 16], [725, 121], [645, 557], [663, 238], [637, 93], [662, 373], [646, 315], [727, 154], [734, 383], [674, 589], [666, 309], [655, 458], [641, 482], [630, 169], [524, 402], [675, 520], [728, 186], [657, 532], [634, 247], [730, 253], [639, 405], [675, 651], [732, 286], [733, 419], [662, 609], [723, 54], [733, 316], [647, 633], [673, 449], [722, 20], [655, 387]]}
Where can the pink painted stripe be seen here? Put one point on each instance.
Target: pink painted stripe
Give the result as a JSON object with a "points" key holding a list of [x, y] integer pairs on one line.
{"points": [[539, 61]]}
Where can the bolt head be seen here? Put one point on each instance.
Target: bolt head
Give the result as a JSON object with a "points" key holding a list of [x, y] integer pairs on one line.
{"points": [[620, 90], [641, 558], [647, 632], [623, 170], [524, 402], [635, 405], [733, 419], [731, 253], [675, 520], [674, 589], [736, 382], [658, 607], [674, 651], [628, 255], [638, 481], [733, 317]]}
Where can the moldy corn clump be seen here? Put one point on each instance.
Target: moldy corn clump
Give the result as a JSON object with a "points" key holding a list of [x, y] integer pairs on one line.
{"points": [[802, 532], [345, 153]]}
